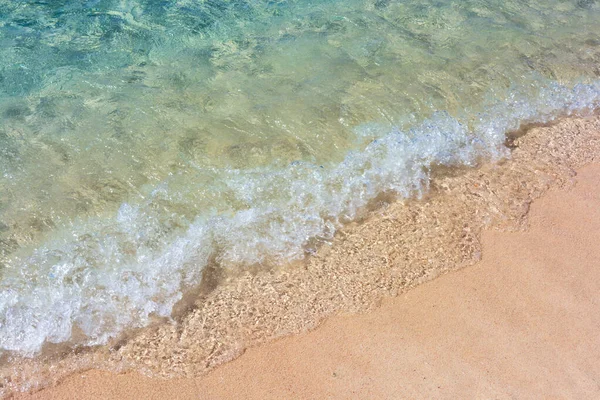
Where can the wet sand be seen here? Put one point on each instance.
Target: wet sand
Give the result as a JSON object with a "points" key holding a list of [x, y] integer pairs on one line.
{"points": [[523, 322]]}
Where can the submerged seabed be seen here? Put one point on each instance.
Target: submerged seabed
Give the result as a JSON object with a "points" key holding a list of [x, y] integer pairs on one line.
{"points": [[142, 140]]}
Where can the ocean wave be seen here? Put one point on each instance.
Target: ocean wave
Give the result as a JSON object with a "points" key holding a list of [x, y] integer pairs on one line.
{"points": [[103, 275]]}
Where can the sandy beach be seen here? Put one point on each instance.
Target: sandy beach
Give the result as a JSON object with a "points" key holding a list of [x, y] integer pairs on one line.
{"points": [[299, 199], [520, 323]]}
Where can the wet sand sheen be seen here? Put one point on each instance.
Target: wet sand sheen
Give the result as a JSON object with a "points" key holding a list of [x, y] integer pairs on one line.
{"points": [[521, 323]]}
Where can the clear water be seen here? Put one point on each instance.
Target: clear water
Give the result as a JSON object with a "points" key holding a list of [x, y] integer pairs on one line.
{"points": [[139, 139]]}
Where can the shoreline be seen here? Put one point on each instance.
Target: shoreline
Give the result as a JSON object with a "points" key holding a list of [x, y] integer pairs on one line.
{"points": [[506, 327], [397, 246]]}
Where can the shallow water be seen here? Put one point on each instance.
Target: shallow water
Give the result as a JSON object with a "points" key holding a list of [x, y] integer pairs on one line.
{"points": [[139, 139]]}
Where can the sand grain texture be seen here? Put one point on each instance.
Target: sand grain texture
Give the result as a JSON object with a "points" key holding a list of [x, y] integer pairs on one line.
{"points": [[522, 323]]}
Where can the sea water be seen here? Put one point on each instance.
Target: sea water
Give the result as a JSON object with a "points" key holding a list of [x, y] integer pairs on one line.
{"points": [[142, 139]]}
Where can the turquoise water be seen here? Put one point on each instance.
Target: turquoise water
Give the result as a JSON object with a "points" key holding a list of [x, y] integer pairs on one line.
{"points": [[139, 139]]}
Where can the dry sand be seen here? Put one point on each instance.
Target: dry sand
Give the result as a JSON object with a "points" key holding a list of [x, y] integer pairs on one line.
{"points": [[522, 323]]}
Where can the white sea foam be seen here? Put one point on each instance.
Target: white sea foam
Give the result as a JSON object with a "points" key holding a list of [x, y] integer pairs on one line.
{"points": [[106, 275]]}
